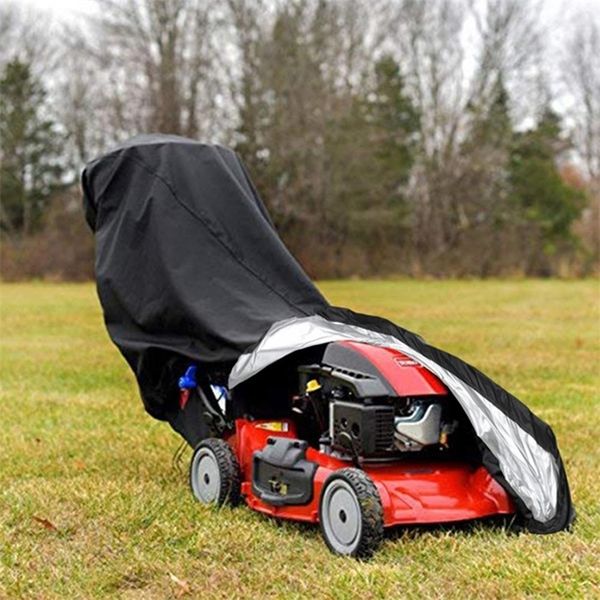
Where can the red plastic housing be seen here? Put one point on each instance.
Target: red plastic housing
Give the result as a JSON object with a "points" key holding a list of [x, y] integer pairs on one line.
{"points": [[405, 375], [412, 491]]}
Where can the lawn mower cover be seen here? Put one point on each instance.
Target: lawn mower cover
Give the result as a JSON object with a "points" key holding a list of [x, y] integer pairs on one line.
{"points": [[189, 267]]}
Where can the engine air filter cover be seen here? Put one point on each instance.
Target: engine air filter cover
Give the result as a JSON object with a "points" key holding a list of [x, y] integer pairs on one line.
{"points": [[364, 429]]}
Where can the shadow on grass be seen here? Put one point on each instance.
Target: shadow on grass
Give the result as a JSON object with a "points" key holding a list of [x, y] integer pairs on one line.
{"points": [[501, 524], [504, 524]]}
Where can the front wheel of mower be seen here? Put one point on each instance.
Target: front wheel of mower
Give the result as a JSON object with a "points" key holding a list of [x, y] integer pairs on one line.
{"points": [[215, 473], [350, 514]]}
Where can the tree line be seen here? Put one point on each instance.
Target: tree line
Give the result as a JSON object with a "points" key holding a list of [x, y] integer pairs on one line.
{"points": [[417, 137]]}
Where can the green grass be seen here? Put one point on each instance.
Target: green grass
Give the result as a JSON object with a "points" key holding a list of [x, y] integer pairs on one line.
{"points": [[77, 449]]}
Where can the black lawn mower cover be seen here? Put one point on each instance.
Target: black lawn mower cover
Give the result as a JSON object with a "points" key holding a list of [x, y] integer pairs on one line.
{"points": [[189, 267]]}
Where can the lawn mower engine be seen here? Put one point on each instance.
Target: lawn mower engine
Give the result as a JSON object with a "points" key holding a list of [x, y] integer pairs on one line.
{"points": [[373, 403]]}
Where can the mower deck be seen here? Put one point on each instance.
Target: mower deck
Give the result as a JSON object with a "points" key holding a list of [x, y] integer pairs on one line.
{"points": [[437, 492], [412, 491]]}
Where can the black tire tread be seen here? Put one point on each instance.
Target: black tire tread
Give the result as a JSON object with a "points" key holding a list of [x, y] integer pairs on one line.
{"points": [[371, 509], [229, 469]]}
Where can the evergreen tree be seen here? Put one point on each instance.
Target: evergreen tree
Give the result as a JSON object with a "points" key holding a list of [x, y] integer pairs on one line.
{"points": [[491, 123], [538, 189], [30, 166], [372, 150], [486, 152], [395, 122]]}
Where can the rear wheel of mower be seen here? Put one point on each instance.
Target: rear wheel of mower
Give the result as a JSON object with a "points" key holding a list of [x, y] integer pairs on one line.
{"points": [[215, 473], [350, 514]]}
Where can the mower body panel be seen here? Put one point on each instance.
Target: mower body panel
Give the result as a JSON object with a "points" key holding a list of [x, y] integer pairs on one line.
{"points": [[412, 491]]}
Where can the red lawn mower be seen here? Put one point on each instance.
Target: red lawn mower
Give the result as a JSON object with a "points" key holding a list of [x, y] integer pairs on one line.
{"points": [[372, 440]]}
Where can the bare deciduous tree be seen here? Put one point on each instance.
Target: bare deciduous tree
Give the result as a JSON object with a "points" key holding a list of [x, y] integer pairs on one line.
{"points": [[26, 35], [155, 61], [581, 72], [457, 55]]}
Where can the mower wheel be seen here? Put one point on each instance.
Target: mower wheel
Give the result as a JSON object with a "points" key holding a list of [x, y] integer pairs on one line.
{"points": [[350, 514], [215, 473]]}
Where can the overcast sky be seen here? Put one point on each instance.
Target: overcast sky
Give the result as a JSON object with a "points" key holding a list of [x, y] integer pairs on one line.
{"points": [[552, 11], [62, 8]]}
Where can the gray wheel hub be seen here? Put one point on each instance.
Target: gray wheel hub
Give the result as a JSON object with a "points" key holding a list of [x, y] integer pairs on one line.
{"points": [[205, 476], [342, 517]]}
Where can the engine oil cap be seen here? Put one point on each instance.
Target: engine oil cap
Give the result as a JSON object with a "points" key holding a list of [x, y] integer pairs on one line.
{"points": [[312, 386]]}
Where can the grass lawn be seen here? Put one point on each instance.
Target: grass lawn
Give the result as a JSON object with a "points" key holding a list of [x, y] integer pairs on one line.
{"points": [[92, 505]]}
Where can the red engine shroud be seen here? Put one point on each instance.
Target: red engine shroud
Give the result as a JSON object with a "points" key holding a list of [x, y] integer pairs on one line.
{"points": [[406, 376]]}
